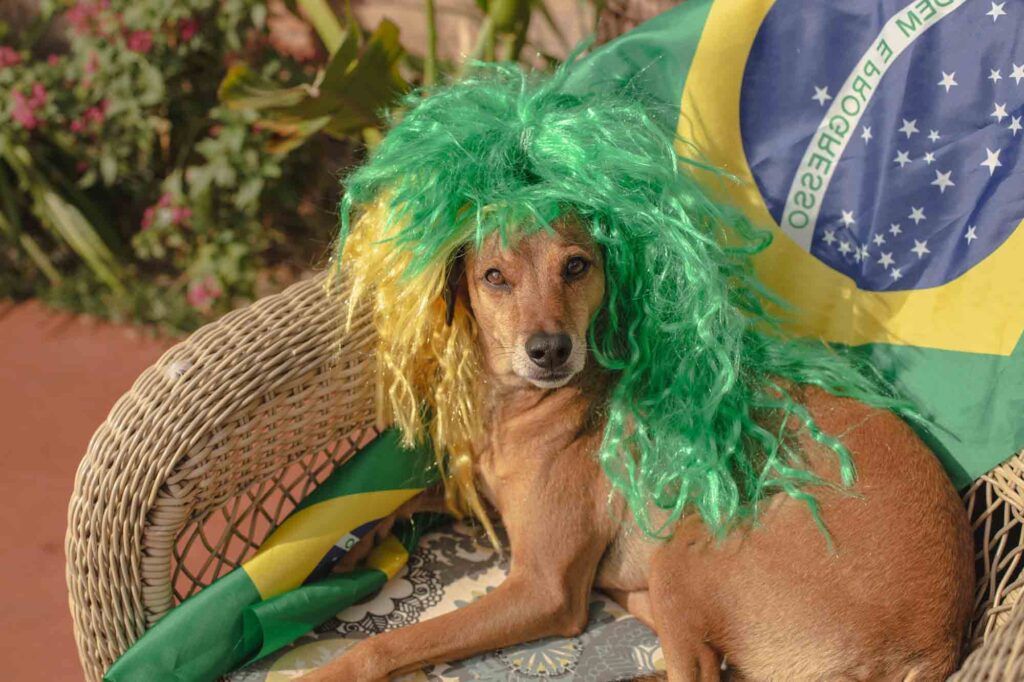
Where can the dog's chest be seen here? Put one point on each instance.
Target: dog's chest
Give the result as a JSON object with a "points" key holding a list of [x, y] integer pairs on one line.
{"points": [[499, 480], [510, 482], [627, 560]]}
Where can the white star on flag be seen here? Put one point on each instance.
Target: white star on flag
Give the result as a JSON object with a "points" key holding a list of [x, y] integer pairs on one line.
{"points": [[917, 214], [845, 248], [991, 160], [902, 158], [862, 253], [1000, 112], [847, 219], [909, 127], [1015, 126], [865, 133], [1018, 73], [878, 239], [928, 158], [942, 181], [895, 229], [896, 274], [920, 248], [934, 135], [947, 80], [996, 11], [886, 260], [994, 75], [821, 95], [971, 236], [830, 237]]}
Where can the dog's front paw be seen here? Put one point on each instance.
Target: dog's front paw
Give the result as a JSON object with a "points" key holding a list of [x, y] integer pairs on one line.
{"points": [[358, 664]]}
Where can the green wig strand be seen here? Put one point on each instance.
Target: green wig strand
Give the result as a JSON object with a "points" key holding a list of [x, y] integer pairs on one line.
{"points": [[699, 362]]}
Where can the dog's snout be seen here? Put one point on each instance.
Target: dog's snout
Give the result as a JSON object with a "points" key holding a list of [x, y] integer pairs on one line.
{"points": [[549, 351]]}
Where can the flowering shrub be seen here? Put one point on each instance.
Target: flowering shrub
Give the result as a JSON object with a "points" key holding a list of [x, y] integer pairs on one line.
{"points": [[157, 168], [125, 189]]}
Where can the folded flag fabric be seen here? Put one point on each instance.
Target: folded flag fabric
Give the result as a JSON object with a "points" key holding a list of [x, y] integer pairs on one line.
{"points": [[880, 140], [285, 589]]}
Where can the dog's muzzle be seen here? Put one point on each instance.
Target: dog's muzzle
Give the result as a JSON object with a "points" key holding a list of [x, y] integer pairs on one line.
{"points": [[549, 360]]}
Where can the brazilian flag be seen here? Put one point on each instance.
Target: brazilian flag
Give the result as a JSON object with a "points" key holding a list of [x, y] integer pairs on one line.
{"points": [[286, 589], [881, 141]]}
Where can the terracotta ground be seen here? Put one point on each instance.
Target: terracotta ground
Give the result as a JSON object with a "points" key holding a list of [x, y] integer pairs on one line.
{"points": [[59, 377]]}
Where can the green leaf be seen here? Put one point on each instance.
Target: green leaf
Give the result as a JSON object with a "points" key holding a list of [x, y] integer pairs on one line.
{"points": [[347, 98], [243, 88], [249, 193], [323, 19], [108, 167], [354, 98], [288, 136], [10, 224], [64, 219]]}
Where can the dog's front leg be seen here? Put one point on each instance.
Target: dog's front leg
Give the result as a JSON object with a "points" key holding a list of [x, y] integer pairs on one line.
{"points": [[519, 610]]}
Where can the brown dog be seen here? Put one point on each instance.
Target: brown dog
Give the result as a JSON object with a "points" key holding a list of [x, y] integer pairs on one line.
{"points": [[891, 602]]}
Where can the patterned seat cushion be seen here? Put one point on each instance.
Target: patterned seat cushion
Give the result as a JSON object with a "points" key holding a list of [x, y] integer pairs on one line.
{"points": [[452, 568]]}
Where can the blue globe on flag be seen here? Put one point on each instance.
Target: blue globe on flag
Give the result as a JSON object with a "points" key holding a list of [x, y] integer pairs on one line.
{"points": [[889, 148]]}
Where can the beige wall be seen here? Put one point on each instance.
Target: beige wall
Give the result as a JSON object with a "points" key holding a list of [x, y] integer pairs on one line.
{"points": [[458, 21]]}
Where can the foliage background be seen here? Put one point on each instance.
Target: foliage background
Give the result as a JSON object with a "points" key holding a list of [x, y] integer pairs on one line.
{"points": [[164, 162]]}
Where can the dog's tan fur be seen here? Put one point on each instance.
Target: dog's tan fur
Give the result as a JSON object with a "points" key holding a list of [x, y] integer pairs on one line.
{"points": [[891, 602]]}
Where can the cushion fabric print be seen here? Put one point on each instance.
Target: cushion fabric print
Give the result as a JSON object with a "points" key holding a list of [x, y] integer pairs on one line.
{"points": [[451, 568]]}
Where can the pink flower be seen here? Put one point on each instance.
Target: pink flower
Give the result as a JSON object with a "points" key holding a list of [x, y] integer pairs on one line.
{"points": [[53, 60], [140, 41], [93, 115], [23, 111], [77, 126], [147, 218], [92, 63], [38, 98], [187, 29], [165, 200], [79, 18], [202, 294], [180, 214], [82, 16], [9, 56]]}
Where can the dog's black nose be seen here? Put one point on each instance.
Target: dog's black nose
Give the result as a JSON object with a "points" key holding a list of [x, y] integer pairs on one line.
{"points": [[549, 351]]}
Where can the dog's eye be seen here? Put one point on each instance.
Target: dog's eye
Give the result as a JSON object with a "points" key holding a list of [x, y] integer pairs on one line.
{"points": [[494, 277], [575, 266]]}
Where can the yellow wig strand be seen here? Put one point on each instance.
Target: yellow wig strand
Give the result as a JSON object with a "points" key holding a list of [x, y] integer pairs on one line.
{"points": [[427, 370]]}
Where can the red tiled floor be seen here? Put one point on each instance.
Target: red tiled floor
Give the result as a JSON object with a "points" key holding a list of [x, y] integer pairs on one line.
{"points": [[59, 377]]}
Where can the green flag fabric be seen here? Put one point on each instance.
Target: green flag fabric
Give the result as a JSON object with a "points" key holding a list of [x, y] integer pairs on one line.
{"points": [[879, 140], [286, 588]]}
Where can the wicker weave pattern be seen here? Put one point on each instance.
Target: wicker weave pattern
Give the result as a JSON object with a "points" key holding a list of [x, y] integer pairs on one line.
{"points": [[995, 503], [218, 414], [222, 437]]}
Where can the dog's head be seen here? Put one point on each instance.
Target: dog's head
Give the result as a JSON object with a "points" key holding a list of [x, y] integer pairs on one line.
{"points": [[565, 229], [533, 301]]}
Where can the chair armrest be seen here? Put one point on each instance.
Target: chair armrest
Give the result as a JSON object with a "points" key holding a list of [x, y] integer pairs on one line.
{"points": [[225, 409], [1001, 657]]}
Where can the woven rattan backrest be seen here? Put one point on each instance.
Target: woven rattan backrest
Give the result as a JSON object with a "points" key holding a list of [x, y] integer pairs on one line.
{"points": [[212, 446]]}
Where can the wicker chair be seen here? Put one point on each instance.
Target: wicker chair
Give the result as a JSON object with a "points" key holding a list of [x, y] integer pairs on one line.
{"points": [[223, 436]]}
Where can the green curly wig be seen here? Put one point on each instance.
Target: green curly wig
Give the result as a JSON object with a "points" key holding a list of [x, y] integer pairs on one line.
{"points": [[699, 362]]}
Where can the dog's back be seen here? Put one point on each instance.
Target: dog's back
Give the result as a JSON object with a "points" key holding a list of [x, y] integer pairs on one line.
{"points": [[892, 600]]}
